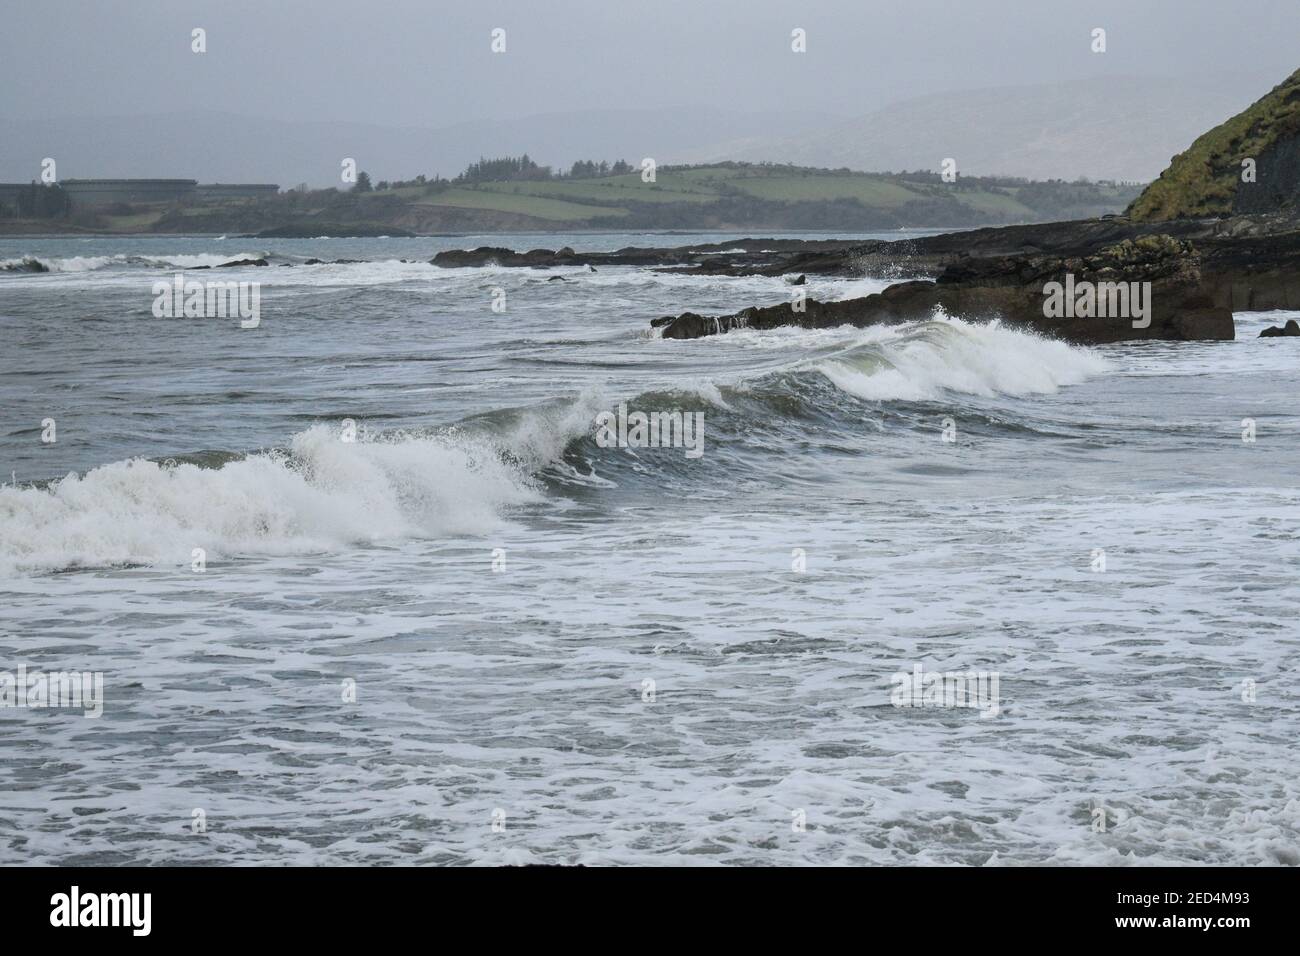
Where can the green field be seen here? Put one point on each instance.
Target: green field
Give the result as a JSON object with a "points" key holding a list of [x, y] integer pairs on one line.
{"points": [[521, 203], [869, 192], [996, 204], [682, 195], [611, 189], [135, 222]]}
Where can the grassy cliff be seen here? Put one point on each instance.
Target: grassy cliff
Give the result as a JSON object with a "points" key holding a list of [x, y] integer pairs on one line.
{"points": [[1206, 179]]}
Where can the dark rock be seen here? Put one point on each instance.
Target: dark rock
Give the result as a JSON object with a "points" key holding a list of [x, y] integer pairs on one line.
{"points": [[682, 322], [1292, 327], [1015, 290], [761, 256], [798, 280], [242, 262], [476, 258], [1243, 263]]}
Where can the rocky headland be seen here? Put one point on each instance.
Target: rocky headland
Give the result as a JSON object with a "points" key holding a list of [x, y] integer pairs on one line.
{"points": [[1218, 232]]}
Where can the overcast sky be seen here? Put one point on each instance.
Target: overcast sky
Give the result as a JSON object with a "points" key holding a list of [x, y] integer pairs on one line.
{"points": [[428, 62]]}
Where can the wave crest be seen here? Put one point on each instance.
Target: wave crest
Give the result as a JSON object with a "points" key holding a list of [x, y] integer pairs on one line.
{"points": [[918, 362], [323, 493]]}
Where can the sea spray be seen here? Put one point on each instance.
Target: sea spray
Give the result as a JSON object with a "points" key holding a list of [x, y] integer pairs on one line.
{"points": [[323, 494], [919, 361]]}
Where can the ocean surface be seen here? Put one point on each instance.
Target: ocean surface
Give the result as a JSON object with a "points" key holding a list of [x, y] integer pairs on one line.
{"points": [[474, 635]]}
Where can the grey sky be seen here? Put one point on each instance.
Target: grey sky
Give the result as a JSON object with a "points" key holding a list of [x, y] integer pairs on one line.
{"points": [[402, 62]]}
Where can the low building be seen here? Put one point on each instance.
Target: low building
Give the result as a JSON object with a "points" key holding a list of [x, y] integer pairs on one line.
{"points": [[86, 193], [216, 192], [9, 195]]}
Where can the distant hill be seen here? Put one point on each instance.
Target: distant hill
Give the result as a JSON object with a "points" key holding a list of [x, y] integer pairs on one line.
{"points": [[1108, 128], [1207, 179], [726, 195], [716, 197]]}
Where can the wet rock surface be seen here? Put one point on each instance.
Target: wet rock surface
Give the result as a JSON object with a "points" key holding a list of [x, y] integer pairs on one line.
{"points": [[1200, 270], [1151, 287], [1292, 327]]}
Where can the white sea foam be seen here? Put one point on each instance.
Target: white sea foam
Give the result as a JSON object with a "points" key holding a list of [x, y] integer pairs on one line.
{"points": [[538, 435], [73, 264], [69, 264], [918, 362], [323, 494], [524, 691]]}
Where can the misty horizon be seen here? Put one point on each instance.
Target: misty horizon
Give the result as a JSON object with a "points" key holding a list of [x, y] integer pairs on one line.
{"points": [[683, 85]]}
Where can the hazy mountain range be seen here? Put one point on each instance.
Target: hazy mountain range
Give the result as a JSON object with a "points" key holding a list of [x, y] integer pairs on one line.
{"points": [[1111, 128], [1106, 128]]}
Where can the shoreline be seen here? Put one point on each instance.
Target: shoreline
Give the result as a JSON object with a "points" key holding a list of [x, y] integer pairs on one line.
{"points": [[738, 233]]}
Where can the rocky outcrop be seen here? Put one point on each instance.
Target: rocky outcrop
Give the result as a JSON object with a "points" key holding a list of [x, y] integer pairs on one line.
{"points": [[1149, 288], [241, 262], [1292, 327], [1253, 273], [739, 257], [923, 257], [1236, 264], [1198, 240]]}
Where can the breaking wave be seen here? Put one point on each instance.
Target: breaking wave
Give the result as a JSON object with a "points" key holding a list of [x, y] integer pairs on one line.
{"points": [[96, 263], [324, 493], [919, 362]]}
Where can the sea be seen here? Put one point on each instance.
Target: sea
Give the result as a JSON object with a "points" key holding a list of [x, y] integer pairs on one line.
{"points": [[367, 584]]}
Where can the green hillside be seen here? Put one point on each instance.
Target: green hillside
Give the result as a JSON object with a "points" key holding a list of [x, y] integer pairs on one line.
{"points": [[1206, 180], [524, 202], [516, 194], [739, 194]]}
